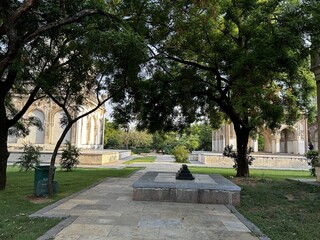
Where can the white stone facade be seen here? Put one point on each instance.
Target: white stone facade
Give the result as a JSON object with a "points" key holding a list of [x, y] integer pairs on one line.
{"points": [[287, 139], [86, 133]]}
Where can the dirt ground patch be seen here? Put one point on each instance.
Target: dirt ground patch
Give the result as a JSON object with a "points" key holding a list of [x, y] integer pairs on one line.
{"points": [[244, 181], [38, 200]]}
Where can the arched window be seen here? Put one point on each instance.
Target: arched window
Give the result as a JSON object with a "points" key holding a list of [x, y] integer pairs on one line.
{"points": [[36, 135], [58, 129]]}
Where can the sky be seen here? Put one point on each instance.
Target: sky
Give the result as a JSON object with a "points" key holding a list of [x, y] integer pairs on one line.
{"points": [[109, 111]]}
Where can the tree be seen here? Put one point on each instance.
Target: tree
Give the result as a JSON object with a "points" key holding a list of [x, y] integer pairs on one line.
{"points": [[29, 32], [204, 132], [246, 62], [86, 71], [21, 22], [111, 135]]}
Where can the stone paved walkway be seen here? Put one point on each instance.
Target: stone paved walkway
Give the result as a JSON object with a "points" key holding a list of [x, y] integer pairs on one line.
{"points": [[106, 211]]}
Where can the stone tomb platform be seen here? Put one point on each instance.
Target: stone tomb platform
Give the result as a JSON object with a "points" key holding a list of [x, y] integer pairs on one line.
{"points": [[164, 187]]}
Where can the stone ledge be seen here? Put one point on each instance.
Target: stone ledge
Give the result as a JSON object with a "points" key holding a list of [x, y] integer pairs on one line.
{"points": [[160, 186]]}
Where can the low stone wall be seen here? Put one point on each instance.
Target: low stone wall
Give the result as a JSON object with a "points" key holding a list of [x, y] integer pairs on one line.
{"points": [[124, 153], [102, 157], [261, 161], [87, 157], [45, 156], [98, 158], [317, 168]]}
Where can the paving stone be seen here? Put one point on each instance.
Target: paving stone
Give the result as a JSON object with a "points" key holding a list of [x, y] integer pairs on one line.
{"points": [[159, 223], [178, 234], [63, 237], [124, 232], [236, 226], [202, 223], [90, 207], [214, 235], [75, 230], [102, 213], [107, 211]]}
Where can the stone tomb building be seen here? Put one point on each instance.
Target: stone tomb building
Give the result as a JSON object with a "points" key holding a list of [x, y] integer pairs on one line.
{"points": [[286, 140], [87, 133]]}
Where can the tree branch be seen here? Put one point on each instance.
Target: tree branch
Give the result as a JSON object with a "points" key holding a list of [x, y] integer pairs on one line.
{"points": [[190, 63], [28, 4], [32, 98], [66, 21]]}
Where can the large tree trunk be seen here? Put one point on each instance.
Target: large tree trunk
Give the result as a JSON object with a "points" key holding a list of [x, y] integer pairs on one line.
{"points": [[54, 155], [4, 153], [242, 145]]}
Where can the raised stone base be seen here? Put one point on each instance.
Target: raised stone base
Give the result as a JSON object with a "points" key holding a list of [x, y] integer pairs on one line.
{"points": [[101, 157], [162, 186], [317, 169], [98, 158]]}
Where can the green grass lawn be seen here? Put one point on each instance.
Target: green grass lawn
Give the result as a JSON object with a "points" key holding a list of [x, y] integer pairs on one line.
{"points": [[149, 159], [17, 200], [281, 209]]}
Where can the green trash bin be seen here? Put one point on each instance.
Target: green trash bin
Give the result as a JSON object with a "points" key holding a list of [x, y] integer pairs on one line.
{"points": [[41, 175]]}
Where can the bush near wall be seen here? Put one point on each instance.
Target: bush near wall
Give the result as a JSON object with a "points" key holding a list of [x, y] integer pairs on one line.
{"points": [[181, 154]]}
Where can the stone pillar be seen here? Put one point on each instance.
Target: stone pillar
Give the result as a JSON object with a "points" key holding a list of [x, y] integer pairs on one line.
{"points": [[275, 143], [227, 134], [315, 67], [212, 140], [306, 137]]}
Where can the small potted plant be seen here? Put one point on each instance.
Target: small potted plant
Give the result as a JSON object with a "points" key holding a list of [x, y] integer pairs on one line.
{"points": [[317, 171], [313, 161]]}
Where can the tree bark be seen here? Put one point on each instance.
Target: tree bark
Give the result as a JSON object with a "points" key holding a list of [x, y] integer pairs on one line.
{"points": [[242, 145], [54, 155], [4, 153]]}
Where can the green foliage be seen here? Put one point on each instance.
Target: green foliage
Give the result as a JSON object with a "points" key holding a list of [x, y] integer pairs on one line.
{"points": [[164, 141], [29, 158], [140, 150], [167, 150], [229, 152], [261, 142], [241, 61], [312, 158], [181, 154], [191, 142], [116, 137], [111, 135], [69, 157], [204, 133]]}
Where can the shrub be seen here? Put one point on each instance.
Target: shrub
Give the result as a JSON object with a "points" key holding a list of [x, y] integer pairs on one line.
{"points": [[69, 157], [29, 158], [168, 150], [312, 158], [140, 150], [181, 154], [229, 152]]}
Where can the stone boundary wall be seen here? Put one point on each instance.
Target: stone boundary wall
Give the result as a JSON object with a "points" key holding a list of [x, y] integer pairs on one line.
{"points": [[261, 161], [87, 157]]}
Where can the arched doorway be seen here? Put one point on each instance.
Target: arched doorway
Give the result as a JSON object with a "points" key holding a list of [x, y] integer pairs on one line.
{"points": [[286, 141], [36, 135], [265, 141], [58, 129]]}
